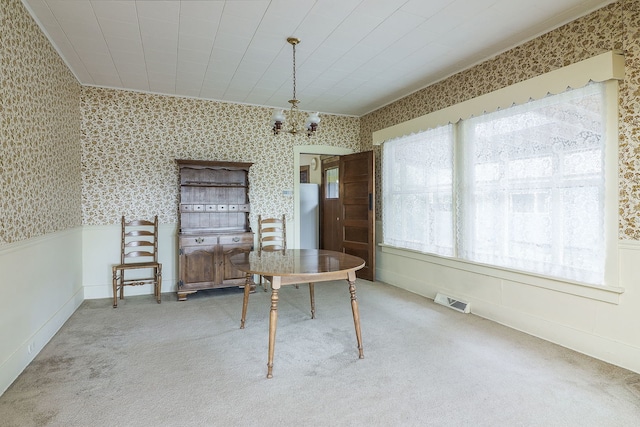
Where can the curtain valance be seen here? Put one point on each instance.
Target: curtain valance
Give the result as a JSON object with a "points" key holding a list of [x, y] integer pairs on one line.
{"points": [[607, 66]]}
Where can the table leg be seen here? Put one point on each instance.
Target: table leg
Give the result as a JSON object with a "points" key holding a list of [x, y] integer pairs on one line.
{"points": [[245, 300], [356, 316], [313, 301], [273, 321]]}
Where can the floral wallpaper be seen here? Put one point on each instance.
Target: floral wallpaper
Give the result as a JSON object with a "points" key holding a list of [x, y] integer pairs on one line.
{"points": [[629, 124], [130, 141], [75, 155], [39, 132], [615, 27]]}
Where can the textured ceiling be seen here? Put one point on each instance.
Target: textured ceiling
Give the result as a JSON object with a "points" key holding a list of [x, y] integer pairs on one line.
{"points": [[354, 56]]}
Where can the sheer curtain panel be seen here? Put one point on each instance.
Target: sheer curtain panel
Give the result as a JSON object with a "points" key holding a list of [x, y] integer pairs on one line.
{"points": [[531, 192], [417, 191]]}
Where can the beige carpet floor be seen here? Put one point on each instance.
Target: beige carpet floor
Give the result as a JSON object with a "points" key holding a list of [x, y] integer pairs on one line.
{"points": [[189, 364]]}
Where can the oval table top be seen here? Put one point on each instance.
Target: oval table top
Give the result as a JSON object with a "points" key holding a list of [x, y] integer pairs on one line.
{"points": [[295, 262]]}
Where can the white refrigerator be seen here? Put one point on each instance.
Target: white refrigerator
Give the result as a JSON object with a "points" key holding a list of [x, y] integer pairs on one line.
{"points": [[309, 216]]}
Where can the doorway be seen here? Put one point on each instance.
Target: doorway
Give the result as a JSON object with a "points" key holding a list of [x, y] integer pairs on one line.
{"points": [[349, 226], [298, 151]]}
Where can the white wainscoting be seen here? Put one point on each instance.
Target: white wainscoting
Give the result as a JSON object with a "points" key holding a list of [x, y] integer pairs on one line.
{"points": [[101, 250], [41, 285], [604, 327]]}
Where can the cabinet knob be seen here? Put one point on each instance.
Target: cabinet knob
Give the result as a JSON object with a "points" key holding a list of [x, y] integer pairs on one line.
{"points": [[236, 239], [199, 240]]}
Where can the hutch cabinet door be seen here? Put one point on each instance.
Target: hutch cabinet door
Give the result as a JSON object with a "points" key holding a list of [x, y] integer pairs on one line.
{"points": [[197, 269], [230, 242]]}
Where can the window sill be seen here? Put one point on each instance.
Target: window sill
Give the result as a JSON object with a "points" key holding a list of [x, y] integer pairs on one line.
{"points": [[609, 294]]}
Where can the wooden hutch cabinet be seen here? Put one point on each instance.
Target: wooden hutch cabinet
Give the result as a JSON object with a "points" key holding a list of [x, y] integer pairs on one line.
{"points": [[213, 219]]}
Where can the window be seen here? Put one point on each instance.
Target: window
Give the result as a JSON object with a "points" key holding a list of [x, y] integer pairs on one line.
{"points": [[524, 190], [332, 184], [418, 192]]}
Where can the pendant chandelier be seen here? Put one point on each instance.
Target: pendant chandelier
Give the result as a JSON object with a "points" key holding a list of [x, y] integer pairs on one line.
{"points": [[295, 115]]}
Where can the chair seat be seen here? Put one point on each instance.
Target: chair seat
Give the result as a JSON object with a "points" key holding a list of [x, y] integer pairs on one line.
{"points": [[134, 265]]}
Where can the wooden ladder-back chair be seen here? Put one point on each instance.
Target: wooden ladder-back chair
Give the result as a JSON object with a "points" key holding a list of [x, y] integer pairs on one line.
{"points": [[138, 250], [272, 236], [272, 233]]}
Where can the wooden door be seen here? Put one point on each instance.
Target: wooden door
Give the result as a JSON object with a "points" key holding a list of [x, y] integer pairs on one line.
{"points": [[357, 208]]}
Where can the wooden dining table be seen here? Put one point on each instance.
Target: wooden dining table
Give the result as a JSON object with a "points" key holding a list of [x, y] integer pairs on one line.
{"points": [[295, 266]]}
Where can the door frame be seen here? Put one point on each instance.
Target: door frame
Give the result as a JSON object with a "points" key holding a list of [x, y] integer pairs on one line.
{"points": [[297, 151]]}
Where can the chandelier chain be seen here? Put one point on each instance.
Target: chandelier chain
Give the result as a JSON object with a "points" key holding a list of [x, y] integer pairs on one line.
{"points": [[294, 71]]}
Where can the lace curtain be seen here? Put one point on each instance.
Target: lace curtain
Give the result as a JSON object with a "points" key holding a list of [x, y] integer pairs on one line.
{"points": [[529, 188], [532, 186], [417, 177]]}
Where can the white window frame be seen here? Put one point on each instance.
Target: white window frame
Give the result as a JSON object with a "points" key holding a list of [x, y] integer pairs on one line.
{"points": [[609, 68]]}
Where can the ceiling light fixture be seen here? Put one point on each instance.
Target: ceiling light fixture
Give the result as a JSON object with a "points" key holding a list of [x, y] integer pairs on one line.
{"points": [[295, 115]]}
